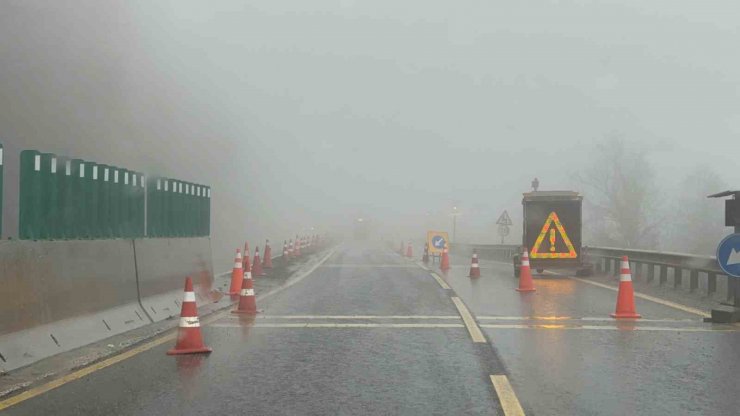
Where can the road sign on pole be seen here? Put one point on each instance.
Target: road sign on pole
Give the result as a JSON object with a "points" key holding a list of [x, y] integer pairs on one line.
{"points": [[728, 255], [503, 231], [504, 219], [437, 241]]}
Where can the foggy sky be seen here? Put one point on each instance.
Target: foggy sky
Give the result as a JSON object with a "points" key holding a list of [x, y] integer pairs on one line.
{"points": [[308, 114]]}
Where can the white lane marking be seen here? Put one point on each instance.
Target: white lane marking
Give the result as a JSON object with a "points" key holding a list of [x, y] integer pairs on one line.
{"points": [[475, 332], [627, 326], [334, 325], [506, 396], [354, 317], [297, 279], [440, 281], [663, 302], [569, 318], [369, 266]]}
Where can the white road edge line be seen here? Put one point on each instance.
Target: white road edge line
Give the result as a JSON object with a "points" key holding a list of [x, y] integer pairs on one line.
{"points": [[663, 302], [297, 279], [506, 396], [457, 317], [335, 325], [440, 281], [624, 327], [470, 323]]}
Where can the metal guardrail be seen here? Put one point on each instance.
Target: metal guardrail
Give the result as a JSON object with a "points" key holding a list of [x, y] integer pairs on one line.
{"points": [[670, 269]]}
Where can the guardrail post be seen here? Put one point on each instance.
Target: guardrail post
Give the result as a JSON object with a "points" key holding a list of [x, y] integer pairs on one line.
{"points": [[730, 289], [615, 262], [637, 271], [711, 283], [677, 276], [651, 272], [663, 274], [694, 280]]}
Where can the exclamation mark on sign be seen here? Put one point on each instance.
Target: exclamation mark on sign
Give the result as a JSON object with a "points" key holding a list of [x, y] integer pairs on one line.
{"points": [[552, 240]]}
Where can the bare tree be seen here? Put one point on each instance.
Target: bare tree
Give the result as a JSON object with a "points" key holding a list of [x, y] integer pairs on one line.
{"points": [[620, 196], [696, 222]]}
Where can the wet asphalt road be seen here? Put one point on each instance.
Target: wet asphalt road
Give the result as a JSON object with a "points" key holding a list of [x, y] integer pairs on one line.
{"points": [[416, 358], [565, 356], [368, 332]]}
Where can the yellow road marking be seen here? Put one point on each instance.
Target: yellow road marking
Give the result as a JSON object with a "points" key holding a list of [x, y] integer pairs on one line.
{"points": [[78, 374], [440, 281], [470, 323], [626, 326], [509, 402], [335, 325], [33, 392], [664, 302]]}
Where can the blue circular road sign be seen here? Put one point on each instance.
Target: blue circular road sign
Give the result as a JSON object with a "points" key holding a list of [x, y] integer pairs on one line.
{"points": [[438, 242], [728, 255]]}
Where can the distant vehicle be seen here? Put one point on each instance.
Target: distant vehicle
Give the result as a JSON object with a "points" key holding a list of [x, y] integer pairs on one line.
{"points": [[552, 231]]}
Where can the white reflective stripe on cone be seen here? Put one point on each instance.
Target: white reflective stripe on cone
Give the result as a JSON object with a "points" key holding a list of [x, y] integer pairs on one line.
{"points": [[189, 297], [247, 292], [625, 277], [189, 322], [247, 275], [525, 263], [474, 265], [624, 265], [237, 265]]}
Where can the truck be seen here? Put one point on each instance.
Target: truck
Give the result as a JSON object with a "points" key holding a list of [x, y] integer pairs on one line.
{"points": [[551, 232]]}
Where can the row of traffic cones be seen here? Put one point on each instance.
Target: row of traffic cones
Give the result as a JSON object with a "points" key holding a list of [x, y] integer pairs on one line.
{"points": [[189, 336]]}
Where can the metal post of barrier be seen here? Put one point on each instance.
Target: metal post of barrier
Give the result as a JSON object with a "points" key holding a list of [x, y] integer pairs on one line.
{"points": [[651, 272], [711, 283], [677, 277], [663, 274], [64, 191], [75, 205], [694, 280], [48, 195]]}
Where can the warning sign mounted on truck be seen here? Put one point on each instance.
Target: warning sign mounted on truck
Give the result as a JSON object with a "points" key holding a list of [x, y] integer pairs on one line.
{"points": [[552, 228]]}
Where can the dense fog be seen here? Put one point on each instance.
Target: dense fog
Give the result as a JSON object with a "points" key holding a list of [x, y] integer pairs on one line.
{"points": [[304, 116]]}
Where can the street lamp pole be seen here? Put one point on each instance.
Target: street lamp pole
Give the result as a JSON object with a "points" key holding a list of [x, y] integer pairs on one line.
{"points": [[454, 223]]}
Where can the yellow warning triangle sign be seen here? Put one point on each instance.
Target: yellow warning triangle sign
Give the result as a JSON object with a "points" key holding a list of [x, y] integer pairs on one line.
{"points": [[551, 253]]}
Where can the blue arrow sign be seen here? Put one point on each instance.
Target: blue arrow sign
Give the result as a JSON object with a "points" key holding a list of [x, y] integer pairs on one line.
{"points": [[438, 242], [728, 255]]}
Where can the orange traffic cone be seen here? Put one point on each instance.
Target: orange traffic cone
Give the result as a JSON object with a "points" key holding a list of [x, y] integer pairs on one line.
{"points": [[236, 274], [267, 261], [626, 297], [247, 301], [257, 264], [285, 250], [474, 266], [246, 258], [291, 251], [425, 258], [526, 284], [189, 338], [409, 251], [297, 248], [444, 265]]}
